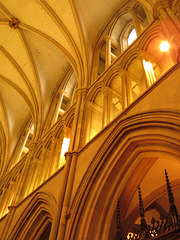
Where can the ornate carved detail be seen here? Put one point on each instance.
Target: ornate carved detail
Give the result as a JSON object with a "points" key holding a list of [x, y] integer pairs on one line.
{"points": [[141, 210], [156, 228], [166, 225], [175, 6], [162, 4], [14, 23], [144, 229], [118, 223], [172, 210]]}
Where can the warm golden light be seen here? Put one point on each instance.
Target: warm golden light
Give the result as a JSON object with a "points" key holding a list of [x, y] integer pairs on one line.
{"points": [[25, 149], [149, 71], [164, 47], [64, 149]]}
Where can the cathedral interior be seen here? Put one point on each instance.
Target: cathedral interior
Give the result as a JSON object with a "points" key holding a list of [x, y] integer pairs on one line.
{"points": [[89, 119]]}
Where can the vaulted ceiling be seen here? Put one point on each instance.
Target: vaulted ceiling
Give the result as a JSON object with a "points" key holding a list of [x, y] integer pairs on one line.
{"points": [[39, 41]]}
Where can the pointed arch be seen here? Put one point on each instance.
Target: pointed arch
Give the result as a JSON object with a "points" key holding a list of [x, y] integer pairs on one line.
{"points": [[36, 217], [107, 177]]}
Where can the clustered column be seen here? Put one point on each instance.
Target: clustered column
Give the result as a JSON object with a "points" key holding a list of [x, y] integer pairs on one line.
{"points": [[107, 106], [54, 155], [170, 23]]}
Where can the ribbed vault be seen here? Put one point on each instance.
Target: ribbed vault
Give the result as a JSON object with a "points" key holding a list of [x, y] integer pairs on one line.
{"points": [[40, 41]]}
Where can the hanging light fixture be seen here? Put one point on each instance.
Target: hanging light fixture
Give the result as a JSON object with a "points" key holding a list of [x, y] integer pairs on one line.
{"points": [[164, 46]]}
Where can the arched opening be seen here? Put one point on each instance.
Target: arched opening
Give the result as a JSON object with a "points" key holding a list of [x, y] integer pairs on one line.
{"points": [[119, 167], [136, 79], [45, 234], [95, 115], [36, 220], [132, 36], [116, 86]]}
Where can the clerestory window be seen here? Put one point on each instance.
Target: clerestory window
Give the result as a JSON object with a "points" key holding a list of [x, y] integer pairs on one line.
{"points": [[132, 36]]}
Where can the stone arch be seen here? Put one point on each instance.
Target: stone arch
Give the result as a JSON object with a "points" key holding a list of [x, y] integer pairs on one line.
{"points": [[69, 118], [48, 140], [108, 174], [36, 218], [94, 92]]}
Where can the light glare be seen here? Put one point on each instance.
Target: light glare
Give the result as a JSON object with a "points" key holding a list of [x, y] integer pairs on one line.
{"points": [[164, 47], [132, 37], [65, 146]]}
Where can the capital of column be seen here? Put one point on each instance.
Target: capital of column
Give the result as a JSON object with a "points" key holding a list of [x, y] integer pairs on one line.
{"points": [[67, 132], [74, 153], [62, 123], [56, 140], [45, 150], [11, 207], [105, 90], [142, 55], [68, 154], [123, 73], [81, 91], [161, 4], [32, 145], [71, 153], [175, 5]]}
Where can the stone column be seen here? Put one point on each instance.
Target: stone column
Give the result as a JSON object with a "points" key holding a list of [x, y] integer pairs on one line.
{"points": [[78, 120], [57, 155], [58, 100], [108, 52], [175, 6], [122, 75], [107, 106], [96, 64], [22, 143], [43, 166], [21, 185], [8, 222], [32, 180], [69, 169], [110, 103], [128, 97], [7, 198], [174, 18], [135, 21], [60, 199], [88, 124], [148, 14], [54, 155], [3, 199], [63, 219]]}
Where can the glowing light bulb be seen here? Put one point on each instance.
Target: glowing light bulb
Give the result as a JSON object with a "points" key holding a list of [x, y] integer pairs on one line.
{"points": [[164, 47]]}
